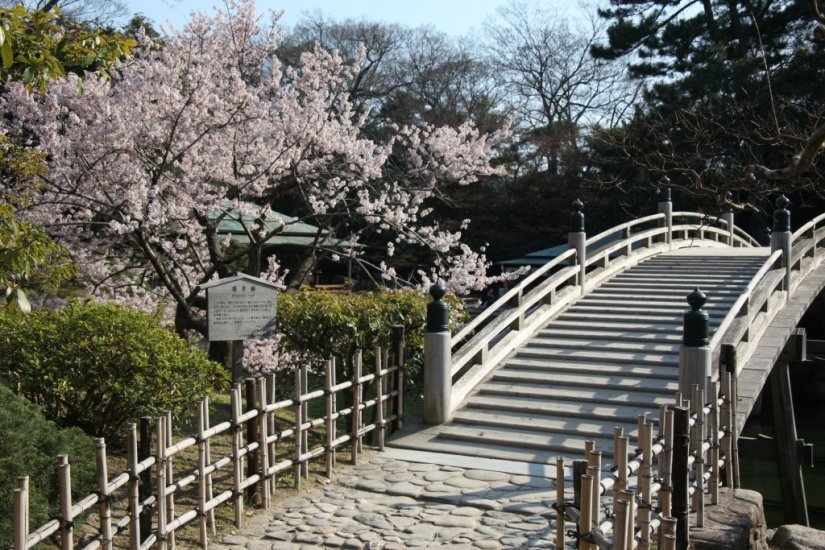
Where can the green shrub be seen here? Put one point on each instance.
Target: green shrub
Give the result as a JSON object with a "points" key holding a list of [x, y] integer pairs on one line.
{"points": [[30, 445], [99, 366], [336, 324]]}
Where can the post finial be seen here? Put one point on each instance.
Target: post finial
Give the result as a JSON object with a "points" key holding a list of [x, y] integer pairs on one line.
{"points": [[438, 312], [782, 216], [577, 217], [664, 192], [695, 332]]}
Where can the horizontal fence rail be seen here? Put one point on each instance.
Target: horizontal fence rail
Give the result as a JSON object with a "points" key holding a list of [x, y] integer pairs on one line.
{"points": [[256, 431]]}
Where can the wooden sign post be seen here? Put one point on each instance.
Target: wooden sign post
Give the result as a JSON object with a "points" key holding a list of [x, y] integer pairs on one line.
{"points": [[240, 308]]}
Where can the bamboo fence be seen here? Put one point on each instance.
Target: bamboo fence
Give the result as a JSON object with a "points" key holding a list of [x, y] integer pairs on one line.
{"points": [[646, 502], [152, 516]]}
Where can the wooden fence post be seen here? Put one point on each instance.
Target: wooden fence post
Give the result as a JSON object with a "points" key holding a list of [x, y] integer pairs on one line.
{"points": [[145, 485], [728, 352], [645, 480], [160, 472], [21, 514], [299, 428], [398, 359], [379, 397], [64, 480], [681, 451], [210, 516], [237, 461], [271, 428], [202, 516], [305, 418], [699, 456], [104, 507], [170, 480], [595, 469], [356, 405], [134, 490], [330, 422], [585, 516], [559, 502], [263, 430], [251, 436]]}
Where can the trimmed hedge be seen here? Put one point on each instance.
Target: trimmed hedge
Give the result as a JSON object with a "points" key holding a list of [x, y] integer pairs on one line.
{"points": [[336, 324], [98, 367], [30, 445]]}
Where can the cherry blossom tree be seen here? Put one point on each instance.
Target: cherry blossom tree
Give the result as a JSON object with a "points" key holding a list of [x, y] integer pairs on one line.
{"points": [[143, 167]]}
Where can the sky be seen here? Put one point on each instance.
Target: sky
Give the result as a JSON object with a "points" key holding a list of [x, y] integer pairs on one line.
{"points": [[455, 17]]}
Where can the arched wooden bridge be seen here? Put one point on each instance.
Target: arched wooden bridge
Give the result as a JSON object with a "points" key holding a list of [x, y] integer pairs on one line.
{"points": [[592, 340]]}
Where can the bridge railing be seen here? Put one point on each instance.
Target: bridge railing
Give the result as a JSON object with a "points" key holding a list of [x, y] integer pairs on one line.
{"points": [[498, 330], [773, 284], [752, 311]]}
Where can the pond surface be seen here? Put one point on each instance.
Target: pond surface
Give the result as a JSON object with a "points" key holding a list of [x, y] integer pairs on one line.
{"points": [[762, 475]]}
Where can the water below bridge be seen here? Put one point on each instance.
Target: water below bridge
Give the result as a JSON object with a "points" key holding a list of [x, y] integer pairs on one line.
{"points": [[761, 475]]}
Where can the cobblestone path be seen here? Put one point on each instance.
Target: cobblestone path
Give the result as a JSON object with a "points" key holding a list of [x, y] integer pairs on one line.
{"points": [[392, 504]]}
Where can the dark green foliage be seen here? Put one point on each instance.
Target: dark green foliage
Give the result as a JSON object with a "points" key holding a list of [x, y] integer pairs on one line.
{"points": [[98, 367], [30, 445], [336, 324], [730, 85]]}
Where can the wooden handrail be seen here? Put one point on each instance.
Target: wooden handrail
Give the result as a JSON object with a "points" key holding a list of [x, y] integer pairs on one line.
{"points": [[509, 295], [743, 299], [473, 354]]}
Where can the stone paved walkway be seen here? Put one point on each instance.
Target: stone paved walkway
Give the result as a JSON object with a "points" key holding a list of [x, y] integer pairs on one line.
{"points": [[392, 504]]}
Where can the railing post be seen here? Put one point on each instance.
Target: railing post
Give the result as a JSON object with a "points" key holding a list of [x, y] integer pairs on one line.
{"points": [[727, 217], [438, 380], [695, 355], [666, 208], [577, 238], [781, 237]]}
